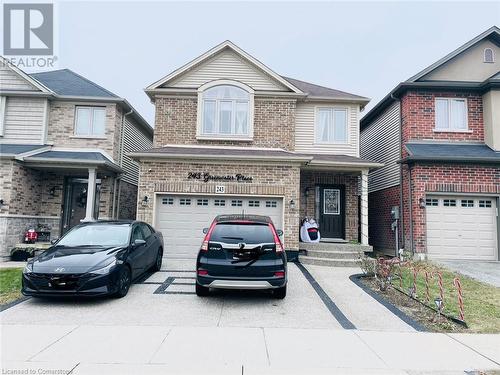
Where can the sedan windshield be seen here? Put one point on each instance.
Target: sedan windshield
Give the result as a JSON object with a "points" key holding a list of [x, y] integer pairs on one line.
{"points": [[97, 235]]}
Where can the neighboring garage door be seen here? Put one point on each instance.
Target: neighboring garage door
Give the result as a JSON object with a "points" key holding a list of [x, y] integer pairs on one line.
{"points": [[461, 227], [181, 218]]}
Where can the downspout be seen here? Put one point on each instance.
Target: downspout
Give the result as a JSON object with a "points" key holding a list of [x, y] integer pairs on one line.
{"points": [[410, 202], [121, 162], [401, 220]]}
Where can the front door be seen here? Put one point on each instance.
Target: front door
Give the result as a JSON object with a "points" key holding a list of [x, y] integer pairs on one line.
{"points": [[75, 202], [332, 211]]}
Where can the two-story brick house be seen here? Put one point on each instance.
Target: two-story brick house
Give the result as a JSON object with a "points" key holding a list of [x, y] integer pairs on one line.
{"points": [[233, 136], [63, 145], [438, 136]]}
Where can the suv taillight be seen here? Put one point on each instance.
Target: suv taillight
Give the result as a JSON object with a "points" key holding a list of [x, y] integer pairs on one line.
{"points": [[277, 241], [204, 244]]}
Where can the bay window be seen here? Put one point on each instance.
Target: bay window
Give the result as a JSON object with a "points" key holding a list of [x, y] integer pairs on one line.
{"points": [[331, 125], [225, 112], [451, 114]]}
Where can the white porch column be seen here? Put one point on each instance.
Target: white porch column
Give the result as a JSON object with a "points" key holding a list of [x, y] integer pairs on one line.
{"points": [[364, 207], [89, 213]]}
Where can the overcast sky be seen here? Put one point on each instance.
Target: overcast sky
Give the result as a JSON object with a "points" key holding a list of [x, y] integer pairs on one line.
{"points": [[365, 48]]}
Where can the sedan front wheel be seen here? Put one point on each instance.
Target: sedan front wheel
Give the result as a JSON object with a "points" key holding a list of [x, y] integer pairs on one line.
{"points": [[124, 281]]}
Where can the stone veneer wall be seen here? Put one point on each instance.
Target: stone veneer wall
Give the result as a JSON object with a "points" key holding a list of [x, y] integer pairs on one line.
{"points": [[268, 180], [274, 123], [309, 180]]}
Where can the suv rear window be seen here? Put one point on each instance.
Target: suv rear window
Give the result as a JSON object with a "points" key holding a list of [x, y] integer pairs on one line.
{"points": [[248, 233]]}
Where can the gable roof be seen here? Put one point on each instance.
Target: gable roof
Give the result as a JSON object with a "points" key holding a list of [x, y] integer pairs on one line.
{"points": [[25, 76], [68, 83], [413, 82], [318, 91], [207, 55], [491, 32]]}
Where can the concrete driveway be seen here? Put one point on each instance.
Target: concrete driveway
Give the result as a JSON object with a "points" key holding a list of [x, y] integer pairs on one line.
{"points": [[162, 327], [487, 272]]}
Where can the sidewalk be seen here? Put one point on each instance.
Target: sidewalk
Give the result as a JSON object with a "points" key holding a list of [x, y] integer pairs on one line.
{"points": [[225, 350]]}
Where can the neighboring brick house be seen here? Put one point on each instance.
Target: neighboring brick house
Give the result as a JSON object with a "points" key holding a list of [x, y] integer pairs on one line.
{"points": [[438, 135], [63, 145], [233, 136]]}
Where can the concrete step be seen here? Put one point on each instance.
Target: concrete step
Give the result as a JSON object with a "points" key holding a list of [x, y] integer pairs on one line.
{"points": [[337, 254], [328, 261], [329, 246]]}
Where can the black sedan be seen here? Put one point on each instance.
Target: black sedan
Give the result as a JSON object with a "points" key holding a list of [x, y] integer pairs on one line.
{"points": [[93, 259]]}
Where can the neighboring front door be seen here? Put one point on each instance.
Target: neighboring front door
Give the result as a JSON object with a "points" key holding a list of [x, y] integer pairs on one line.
{"points": [[75, 202], [332, 211]]}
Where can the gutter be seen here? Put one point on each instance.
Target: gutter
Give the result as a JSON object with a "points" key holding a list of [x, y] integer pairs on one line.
{"points": [[145, 155], [453, 159], [79, 162]]}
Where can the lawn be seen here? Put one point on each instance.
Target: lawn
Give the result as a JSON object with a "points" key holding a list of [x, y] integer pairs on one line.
{"points": [[10, 284], [481, 301]]}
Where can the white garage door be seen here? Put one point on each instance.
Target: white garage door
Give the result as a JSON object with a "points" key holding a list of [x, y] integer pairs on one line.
{"points": [[461, 227], [181, 218]]}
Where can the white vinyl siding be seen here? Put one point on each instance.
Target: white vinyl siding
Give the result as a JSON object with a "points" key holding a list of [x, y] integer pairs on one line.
{"points": [[134, 139], [24, 120], [380, 142], [10, 80], [227, 65], [451, 114], [305, 141]]}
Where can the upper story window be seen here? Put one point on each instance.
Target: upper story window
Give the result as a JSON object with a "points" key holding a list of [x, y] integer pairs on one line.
{"points": [[90, 121], [3, 107], [225, 110], [451, 114], [331, 125], [489, 56]]}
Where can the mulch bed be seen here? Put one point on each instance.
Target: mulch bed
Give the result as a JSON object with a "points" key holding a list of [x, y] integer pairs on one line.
{"points": [[423, 315]]}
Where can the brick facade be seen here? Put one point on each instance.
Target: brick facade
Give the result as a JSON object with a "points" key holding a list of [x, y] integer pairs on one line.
{"points": [[450, 178], [274, 123], [380, 203], [418, 116], [61, 130], [268, 180], [310, 179], [127, 207]]}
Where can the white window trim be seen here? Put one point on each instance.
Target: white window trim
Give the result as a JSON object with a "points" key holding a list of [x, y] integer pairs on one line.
{"points": [[3, 110], [348, 132], [89, 136], [492, 56], [199, 117], [449, 130]]}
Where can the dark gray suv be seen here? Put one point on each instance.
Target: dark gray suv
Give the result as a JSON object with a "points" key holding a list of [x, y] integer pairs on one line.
{"points": [[241, 252]]}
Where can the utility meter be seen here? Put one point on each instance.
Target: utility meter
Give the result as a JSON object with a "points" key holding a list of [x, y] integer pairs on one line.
{"points": [[395, 213]]}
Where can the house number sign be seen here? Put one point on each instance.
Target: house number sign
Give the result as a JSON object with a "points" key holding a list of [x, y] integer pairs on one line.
{"points": [[207, 177]]}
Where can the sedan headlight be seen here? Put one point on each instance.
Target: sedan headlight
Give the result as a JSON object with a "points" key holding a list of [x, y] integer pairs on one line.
{"points": [[29, 267], [104, 269]]}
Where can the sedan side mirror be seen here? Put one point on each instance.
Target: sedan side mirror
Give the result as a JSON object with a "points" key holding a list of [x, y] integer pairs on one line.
{"points": [[279, 232], [139, 242], [205, 230], [53, 242]]}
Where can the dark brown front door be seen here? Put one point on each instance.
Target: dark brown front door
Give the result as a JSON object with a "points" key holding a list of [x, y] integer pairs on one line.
{"points": [[332, 211], [75, 202]]}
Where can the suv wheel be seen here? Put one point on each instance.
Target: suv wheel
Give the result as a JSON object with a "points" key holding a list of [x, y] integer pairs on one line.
{"points": [[280, 293], [201, 291]]}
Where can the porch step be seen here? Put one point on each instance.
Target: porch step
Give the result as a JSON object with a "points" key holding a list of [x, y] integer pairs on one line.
{"points": [[329, 246], [329, 262], [335, 254]]}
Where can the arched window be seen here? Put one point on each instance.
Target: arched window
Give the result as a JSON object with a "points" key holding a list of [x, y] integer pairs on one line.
{"points": [[225, 111], [489, 57]]}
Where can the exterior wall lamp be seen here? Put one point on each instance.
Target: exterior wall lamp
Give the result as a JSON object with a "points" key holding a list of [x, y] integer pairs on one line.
{"points": [[292, 204], [145, 201], [421, 202]]}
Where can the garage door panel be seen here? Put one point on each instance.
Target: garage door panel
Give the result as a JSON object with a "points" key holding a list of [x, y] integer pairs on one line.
{"points": [[182, 225], [466, 231]]}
